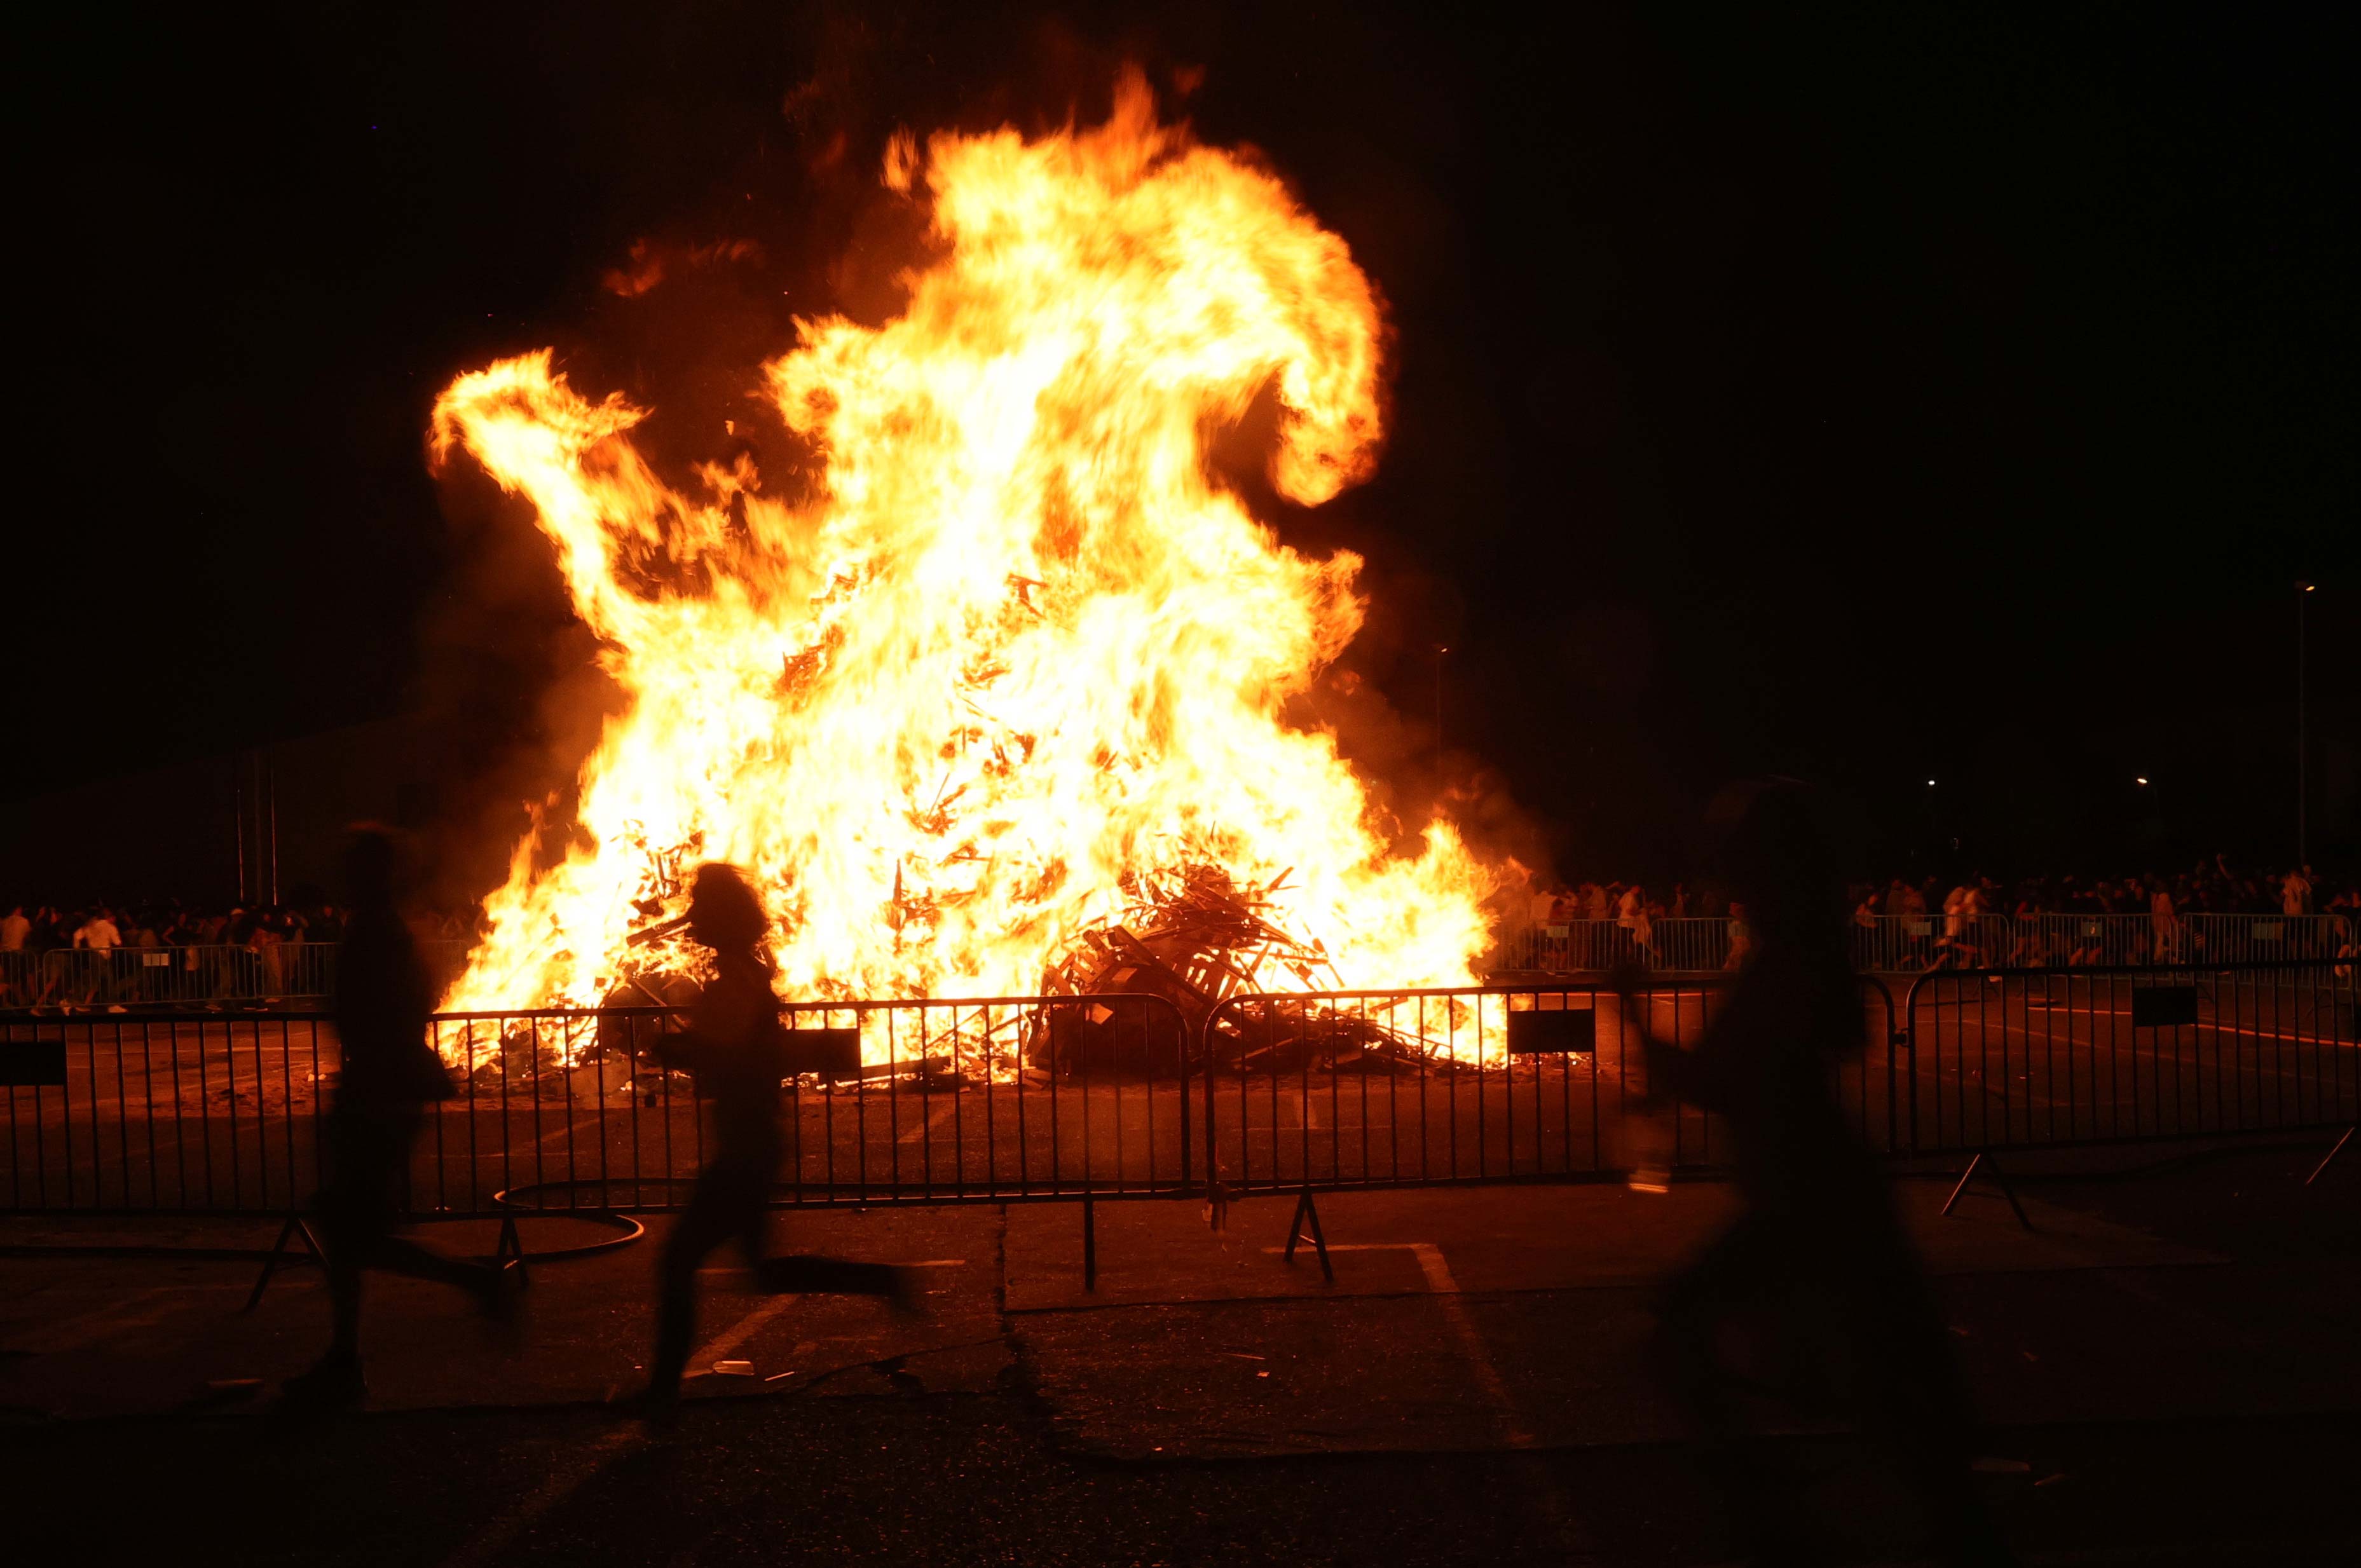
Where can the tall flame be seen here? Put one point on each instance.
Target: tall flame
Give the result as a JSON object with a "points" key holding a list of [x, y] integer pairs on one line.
{"points": [[1015, 649]]}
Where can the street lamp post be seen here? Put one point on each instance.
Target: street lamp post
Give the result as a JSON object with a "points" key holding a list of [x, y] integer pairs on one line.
{"points": [[2303, 779], [1440, 650]]}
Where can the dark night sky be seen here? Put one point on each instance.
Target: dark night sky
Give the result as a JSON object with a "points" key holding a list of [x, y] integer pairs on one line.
{"points": [[1891, 393]]}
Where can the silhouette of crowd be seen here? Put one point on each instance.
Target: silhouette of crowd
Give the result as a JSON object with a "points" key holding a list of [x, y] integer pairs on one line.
{"points": [[111, 952], [1969, 920], [2210, 887]]}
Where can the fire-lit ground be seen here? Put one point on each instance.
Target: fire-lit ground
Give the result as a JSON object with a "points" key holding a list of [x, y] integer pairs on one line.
{"points": [[2169, 1354]]}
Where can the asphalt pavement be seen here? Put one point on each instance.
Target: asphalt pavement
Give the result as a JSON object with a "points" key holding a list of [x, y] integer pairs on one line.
{"points": [[2165, 1359]]}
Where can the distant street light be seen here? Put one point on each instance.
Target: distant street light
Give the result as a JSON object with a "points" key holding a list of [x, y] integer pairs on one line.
{"points": [[2141, 782]]}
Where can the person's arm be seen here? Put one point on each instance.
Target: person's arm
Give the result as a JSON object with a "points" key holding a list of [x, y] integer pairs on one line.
{"points": [[683, 1050], [1674, 1072], [723, 1018]]}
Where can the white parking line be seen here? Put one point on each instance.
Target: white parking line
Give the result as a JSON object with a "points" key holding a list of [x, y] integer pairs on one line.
{"points": [[926, 1128], [1554, 1513], [96, 1324], [1445, 1289], [1479, 1359], [588, 1460], [560, 1131], [742, 1330], [2113, 1041]]}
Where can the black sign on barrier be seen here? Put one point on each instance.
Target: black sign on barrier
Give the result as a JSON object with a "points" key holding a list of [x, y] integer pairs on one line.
{"points": [[1571, 1032], [2163, 1006], [831, 1053], [32, 1063]]}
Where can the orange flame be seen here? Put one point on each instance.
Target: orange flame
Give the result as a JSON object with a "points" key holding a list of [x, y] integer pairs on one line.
{"points": [[1018, 647]]}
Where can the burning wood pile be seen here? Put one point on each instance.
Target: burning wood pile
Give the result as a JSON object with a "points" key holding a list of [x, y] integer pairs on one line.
{"points": [[1041, 662], [1196, 940]]}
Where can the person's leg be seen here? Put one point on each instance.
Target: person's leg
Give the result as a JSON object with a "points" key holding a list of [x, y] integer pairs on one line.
{"points": [[1694, 1315], [397, 1254], [349, 1231], [710, 1219], [345, 1243], [811, 1274], [753, 1220], [1691, 1311], [392, 1139], [358, 1210], [1916, 1402]]}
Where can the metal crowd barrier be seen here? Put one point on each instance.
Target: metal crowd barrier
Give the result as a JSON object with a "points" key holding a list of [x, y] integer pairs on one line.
{"points": [[1478, 1084], [128, 978], [1015, 1099], [993, 1099], [2003, 1059], [1689, 943], [1913, 944], [163, 1116]]}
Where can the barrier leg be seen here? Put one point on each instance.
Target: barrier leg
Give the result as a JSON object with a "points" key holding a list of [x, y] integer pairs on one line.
{"points": [[1089, 1243], [511, 1247], [1976, 1163], [2324, 1164], [1965, 1176], [296, 1228], [1305, 1227]]}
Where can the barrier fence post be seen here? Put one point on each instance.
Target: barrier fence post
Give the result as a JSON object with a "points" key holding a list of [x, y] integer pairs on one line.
{"points": [[1217, 1204], [1975, 1164], [1089, 1243], [296, 1228], [1183, 1056], [2324, 1164], [1305, 1227], [510, 1248]]}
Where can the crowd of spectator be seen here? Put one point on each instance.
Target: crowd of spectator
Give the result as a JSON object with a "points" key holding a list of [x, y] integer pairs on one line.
{"points": [[2165, 902], [118, 952], [103, 926], [1950, 921], [104, 954]]}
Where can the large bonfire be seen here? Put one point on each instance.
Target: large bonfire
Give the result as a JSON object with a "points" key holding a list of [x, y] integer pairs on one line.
{"points": [[1006, 683]]}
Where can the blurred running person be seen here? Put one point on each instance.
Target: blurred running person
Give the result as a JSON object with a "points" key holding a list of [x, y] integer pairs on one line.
{"points": [[390, 1076], [736, 1047], [1814, 1290]]}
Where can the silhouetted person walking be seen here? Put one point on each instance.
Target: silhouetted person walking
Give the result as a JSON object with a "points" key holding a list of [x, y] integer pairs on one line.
{"points": [[382, 1003], [736, 1047], [1819, 1255]]}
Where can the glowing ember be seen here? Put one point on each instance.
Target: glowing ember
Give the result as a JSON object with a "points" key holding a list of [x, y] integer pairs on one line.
{"points": [[1013, 657]]}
